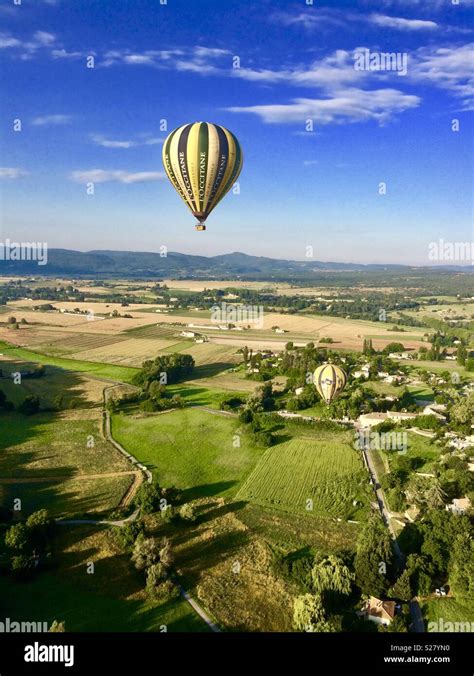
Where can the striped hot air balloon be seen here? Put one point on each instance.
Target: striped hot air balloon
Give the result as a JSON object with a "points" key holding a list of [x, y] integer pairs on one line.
{"points": [[202, 161], [329, 380]]}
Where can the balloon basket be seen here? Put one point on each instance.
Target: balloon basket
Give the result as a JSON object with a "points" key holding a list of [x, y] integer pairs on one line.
{"points": [[200, 226]]}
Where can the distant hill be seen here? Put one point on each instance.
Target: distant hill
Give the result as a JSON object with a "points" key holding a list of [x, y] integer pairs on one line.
{"points": [[133, 264]]}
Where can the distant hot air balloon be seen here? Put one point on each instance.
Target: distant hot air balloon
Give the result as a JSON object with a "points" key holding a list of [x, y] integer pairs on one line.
{"points": [[202, 161], [329, 380]]}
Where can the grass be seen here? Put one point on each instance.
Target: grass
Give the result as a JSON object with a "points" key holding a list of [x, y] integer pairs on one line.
{"points": [[191, 449], [448, 610], [111, 599], [420, 449], [67, 498], [57, 447], [48, 444], [324, 469], [123, 374]]}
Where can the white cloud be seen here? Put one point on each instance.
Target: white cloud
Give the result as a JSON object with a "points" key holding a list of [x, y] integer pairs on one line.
{"points": [[7, 41], [144, 139], [108, 143], [449, 68], [116, 176], [49, 120], [12, 172], [64, 54], [44, 38], [346, 106], [402, 24], [154, 141]]}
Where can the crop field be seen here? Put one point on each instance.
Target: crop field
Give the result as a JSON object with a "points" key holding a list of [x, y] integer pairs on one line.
{"points": [[109, 371], [326, 471], [131, 352], [154, 331], [76, 343], [192, 449]]}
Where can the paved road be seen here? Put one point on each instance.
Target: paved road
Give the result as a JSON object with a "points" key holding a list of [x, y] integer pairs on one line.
{"points": [[415, 611]]}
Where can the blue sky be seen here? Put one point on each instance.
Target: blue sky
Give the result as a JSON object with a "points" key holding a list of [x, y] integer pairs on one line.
{"points": [[298, 188]]}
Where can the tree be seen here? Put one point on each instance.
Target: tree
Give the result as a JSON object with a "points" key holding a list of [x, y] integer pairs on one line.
{"points": [[57, 627], [186, 512], [17, 536], [331, 574], [461, 568], [155, 575], [402, 588], [146, 552], [308, 614], [373, 558], [148, 498], [30, 404], [166, 554]]}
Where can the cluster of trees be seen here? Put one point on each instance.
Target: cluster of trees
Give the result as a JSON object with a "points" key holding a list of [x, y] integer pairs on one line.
{"points": [[439, 550], [166, 369], [29, 541]]}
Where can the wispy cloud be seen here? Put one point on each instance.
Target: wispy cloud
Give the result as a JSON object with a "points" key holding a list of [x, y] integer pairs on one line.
{"points": [[51, 120], [144, 139], [109, 143], [449, 68], [400, 23], [348, 106], [115, 176], [12, 172]]}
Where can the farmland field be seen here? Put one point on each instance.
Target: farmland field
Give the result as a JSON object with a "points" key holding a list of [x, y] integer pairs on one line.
{"points": [[191, 449], [112, 599], [325, 470], [119, 373]]}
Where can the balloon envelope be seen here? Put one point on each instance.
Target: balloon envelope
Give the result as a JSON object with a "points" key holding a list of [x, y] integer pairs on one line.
{"points": [[202, 161], [329, 380]]}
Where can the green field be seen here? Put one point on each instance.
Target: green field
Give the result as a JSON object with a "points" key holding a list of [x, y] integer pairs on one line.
{"points": [[326, 470], [123, 374], [56, 449], [448, 609], [110, 600], [77, 343], [420, 449], [191, 449]]}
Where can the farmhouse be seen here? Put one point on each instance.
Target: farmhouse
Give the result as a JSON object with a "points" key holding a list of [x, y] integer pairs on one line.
{"points": [[187, 334], [378, 611], [371, 419], [459, 506], [437, 410]]}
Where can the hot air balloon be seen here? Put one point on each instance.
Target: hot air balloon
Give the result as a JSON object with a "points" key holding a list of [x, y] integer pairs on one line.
{"points": [[329, 380], [202, 161]]}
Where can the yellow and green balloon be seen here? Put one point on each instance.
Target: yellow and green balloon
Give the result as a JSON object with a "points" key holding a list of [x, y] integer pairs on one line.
{"points": [[202, 161], [329, 380]]}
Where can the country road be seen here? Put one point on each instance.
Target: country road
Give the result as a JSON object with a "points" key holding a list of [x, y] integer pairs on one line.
{"points": [[415, 611]]}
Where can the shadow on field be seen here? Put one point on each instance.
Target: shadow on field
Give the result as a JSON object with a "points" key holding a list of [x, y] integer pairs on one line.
{"points": [[206, 490], [221, 510], [208, 552], [26, 450], [210, 370]]}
